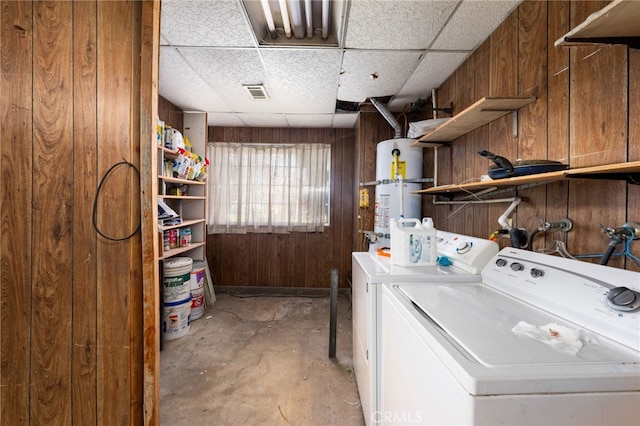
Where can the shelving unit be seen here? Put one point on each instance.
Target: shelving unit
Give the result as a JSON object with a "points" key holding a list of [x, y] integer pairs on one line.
{"points": [[623, 171], [477, 115], [191, 207], [616, 23]]}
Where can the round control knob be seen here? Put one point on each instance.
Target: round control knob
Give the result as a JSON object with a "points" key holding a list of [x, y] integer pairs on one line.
{"points": [[501, 262], [537, 273], [515, 266], [621, 296], [463, 247]]}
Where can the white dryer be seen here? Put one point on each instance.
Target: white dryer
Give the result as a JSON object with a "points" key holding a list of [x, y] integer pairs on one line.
{"points": [[540, 340], [467, 255]]}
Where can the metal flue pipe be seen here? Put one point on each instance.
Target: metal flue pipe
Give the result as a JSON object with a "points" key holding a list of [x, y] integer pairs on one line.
{"points": [[388, 116]]}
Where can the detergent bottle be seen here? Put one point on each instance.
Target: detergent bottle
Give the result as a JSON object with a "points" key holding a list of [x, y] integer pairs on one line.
{"points": [[413, 243], [429, 242]]}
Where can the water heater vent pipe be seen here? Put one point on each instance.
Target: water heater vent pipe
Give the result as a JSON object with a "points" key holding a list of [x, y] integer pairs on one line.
{"points": [[388, 116]]}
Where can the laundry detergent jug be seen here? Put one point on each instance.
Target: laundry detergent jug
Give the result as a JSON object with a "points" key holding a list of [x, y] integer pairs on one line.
{"points": [[412, 243]]}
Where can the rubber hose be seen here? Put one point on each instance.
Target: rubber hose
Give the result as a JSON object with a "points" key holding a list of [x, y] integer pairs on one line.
{"points": [[529, 245], [609, 252], [518, 238]]}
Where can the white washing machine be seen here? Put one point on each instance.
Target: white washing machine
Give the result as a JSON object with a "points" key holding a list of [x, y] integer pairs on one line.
{"points": [[467, 255], [540, 340]]}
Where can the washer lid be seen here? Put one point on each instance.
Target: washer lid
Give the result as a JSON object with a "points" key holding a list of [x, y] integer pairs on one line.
{"points": [[380, 270], [496, 330]]}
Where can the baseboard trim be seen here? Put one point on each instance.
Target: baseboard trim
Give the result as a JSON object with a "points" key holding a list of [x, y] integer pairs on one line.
{"points": [[277, 291]]}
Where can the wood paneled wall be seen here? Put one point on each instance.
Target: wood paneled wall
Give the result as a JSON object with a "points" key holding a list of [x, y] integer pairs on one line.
{"points": [[301, 260], [71, 329], [586, 113]]}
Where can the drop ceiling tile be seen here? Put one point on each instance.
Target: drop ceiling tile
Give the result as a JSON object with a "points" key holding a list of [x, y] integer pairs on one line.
{"points": [[305, 80], [183, 86], [432, 71], [385, 24], [263, 120], [374, 73], [227, 70], [472, 23], [309, 120], [222, 119], [205, 23], [345, 121]]}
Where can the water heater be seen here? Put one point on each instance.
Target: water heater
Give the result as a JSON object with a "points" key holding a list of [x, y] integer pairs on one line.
{"points": [[398, 172]]}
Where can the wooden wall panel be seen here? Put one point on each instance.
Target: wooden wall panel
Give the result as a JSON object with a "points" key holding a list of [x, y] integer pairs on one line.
{"points": [[557, 113], [347, 201], [16, 215], [170, 114], [296, 259], [584, 107], [633, 196], [84, 242], [53, 148], [71, 312], [598, 111], [598, 101], [532, 119], [115, 108], [480, 137], [372, 129], [462, 156]]}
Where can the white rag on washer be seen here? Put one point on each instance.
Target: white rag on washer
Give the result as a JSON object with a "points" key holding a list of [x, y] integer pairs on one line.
{"points": [[560, 338]]}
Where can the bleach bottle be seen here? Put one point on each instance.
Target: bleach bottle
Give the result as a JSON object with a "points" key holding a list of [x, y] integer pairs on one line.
{"points": [[429, 243]]}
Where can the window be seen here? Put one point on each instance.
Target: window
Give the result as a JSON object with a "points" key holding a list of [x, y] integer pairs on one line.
{"points": [[268, 187]]}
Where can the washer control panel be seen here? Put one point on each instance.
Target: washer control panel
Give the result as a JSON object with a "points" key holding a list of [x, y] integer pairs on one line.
{"points": [[465, 252], [601, 298]]}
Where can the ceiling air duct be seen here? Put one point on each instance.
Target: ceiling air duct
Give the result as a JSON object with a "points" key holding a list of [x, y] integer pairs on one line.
{"points": [[388, 116]]}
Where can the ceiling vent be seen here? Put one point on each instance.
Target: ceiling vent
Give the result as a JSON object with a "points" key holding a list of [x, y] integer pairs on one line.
{"points": [[256, 91]]}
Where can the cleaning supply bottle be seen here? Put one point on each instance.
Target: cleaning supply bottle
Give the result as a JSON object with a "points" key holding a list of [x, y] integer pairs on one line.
{"points": [[429, 243]]}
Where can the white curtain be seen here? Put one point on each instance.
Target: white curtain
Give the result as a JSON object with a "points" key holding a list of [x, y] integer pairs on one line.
{"points": [[267, 187]]}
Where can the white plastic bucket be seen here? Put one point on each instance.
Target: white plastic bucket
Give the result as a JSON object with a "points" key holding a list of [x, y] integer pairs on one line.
{"points": [[176, 318], [177, 279], [198, 275], [197, 303]]}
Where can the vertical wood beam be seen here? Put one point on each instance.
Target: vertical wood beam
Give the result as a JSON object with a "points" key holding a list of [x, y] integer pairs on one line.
{"points": [[16, 216]]}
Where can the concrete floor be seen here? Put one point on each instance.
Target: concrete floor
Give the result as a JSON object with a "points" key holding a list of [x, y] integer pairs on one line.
{"points": [[261, 361]]}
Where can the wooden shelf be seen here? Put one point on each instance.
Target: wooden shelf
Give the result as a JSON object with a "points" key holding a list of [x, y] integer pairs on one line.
{"points": [[184, 181], [625, 171], [168, 153], [616, 23], [173, 252], [180, 225], [477, 115], [182, 197]]}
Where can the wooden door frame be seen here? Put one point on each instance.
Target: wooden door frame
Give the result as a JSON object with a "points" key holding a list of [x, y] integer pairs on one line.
{"points": [[149, 56]]}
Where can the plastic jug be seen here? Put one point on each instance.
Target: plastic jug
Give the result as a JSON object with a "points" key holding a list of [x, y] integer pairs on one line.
{"points": [[412, 244], [429, 242]]}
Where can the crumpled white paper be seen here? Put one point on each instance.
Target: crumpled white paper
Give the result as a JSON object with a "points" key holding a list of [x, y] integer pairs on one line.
{"points": [[558, 337]]}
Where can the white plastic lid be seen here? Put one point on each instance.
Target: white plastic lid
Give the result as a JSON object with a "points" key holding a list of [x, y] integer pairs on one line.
{"points": [[427, 222]]}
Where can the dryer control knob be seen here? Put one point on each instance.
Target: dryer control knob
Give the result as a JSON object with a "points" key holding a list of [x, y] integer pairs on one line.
{"points": [[501, 262], [623, 299], [621, 296]]}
